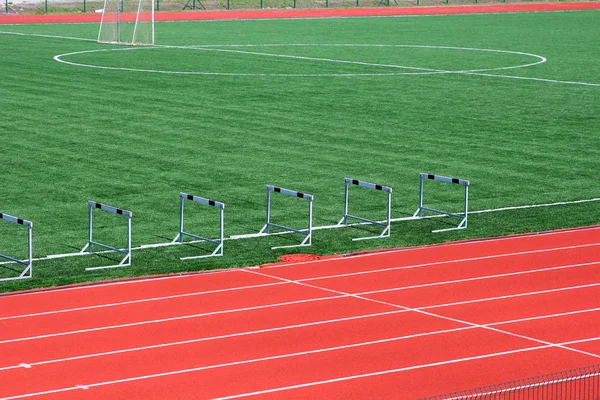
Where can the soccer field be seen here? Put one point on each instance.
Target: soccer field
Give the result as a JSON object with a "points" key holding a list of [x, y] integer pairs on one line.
{"points": [[219, 109]]}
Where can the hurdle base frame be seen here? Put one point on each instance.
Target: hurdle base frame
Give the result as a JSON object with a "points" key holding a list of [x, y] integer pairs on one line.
{"points": [[265, 230], [384, 234], [125, 262], [461, 225], [199, 239]]}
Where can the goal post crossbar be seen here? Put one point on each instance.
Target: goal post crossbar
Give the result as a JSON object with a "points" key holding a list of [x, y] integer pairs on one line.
{"points": [[386, 224], [182, 233], [126, 261], [307, 233], [28, 271], [462, 216]]}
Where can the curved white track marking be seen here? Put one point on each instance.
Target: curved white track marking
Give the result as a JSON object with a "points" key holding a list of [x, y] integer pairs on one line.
{"points": [[223, 48]]}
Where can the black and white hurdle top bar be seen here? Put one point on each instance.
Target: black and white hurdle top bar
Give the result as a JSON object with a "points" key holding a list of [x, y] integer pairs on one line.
{"points": [[445, 179], [16, 220], [111, 209], [290, 192], [202, 200], [368, 185]]}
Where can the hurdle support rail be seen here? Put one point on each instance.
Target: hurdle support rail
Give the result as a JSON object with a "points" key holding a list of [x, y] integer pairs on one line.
{"points": [[462, 217], [179, 238], [386, 225], [266, 229], [126, 261], [28, 271]]}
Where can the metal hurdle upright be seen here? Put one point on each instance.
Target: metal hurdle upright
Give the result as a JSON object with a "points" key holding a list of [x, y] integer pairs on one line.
{"points": [[267, 227], [179, 238], [462, 217], [28, 272], [368, 185], [89, 246]]}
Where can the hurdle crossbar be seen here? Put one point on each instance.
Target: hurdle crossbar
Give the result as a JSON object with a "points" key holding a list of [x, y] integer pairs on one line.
{"points": [[179, 238], [266, 229], [126, 261], [28, 271], [462, 217], [386, 224]]}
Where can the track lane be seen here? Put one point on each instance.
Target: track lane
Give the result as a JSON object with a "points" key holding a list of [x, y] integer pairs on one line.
{"points": [[140, 312], [85, 296], [523, 307], [454, 271], [488, 289], [228, 350], [439, 253], [437, 379], [281, 371], [200, 328], [560, 328]]}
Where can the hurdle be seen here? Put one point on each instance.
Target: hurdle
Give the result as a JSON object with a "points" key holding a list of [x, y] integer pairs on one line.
{"points": [[462, 217], [266, 229], [179, 238], [28, 271], [126, 261], [368, 185]]}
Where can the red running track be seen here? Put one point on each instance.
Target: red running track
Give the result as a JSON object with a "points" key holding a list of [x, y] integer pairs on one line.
{"points": [[401, 324], [310, 13]]}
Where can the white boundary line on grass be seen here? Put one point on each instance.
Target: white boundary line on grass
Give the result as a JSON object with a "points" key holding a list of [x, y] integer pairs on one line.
{"points": [[322, 227]]}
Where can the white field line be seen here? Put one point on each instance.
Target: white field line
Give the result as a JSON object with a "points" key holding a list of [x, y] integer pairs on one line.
{"points": [[321, 227], [297, 326], [422, 265], [283, 304], [323, 350], [419, 311]]}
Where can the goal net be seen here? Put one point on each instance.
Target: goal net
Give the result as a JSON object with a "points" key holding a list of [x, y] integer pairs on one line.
{"points": [[127, 22]]}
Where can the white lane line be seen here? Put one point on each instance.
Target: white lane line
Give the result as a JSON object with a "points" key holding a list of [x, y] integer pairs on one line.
{"points": [[396, 370], [454, 261], [150, 299], [336, 297], [317, 351], [202, 339], [478, 278], [156, 321], [460, 321], [289, 327]]}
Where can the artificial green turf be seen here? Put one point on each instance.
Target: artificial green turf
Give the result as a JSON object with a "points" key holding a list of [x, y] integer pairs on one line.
{"points": [[136, 139]]}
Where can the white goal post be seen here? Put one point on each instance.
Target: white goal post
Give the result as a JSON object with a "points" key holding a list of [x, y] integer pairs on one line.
{"points": [[127, 22]]}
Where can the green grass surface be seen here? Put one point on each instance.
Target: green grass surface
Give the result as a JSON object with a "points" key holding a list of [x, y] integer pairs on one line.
{"points": [[136, 139]]}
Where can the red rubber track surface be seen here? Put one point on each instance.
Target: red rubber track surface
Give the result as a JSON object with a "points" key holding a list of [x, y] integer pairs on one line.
{"points": [[401, 324], [311, 13]]}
